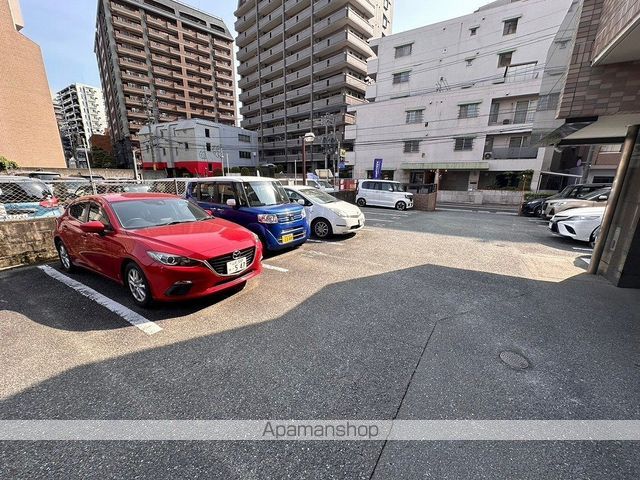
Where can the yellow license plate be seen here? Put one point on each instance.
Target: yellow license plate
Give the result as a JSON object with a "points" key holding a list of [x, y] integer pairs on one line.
{"points": [[287, 238]]}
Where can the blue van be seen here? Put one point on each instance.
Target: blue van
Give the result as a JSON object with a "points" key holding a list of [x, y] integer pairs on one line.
{"points": [[257, 203]]}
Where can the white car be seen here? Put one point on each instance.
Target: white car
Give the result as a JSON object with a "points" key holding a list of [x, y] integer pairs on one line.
{"points": [[578, 223], [321, 185], [383, 193], [326, 214]]}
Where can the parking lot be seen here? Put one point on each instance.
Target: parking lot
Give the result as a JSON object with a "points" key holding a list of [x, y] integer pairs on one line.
{"points": [[405, 319]]}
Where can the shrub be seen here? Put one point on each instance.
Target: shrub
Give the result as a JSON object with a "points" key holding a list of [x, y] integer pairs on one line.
{"points": [[6, 164]]}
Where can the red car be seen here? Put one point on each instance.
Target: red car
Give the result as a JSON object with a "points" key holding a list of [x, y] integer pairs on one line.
{"points": [[159, 246]]}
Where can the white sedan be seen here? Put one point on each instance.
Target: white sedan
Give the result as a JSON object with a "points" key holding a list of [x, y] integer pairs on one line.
{"points": [[327, 215], [578, 223]]}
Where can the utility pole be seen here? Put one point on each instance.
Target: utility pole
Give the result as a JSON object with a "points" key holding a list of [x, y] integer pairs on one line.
{"points": [[148, 107]]}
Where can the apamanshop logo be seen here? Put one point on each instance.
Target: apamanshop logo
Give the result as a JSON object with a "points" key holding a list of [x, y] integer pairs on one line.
{"points": [[319, 430]]}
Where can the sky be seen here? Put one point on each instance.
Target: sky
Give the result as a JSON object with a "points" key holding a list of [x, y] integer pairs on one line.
{"points": [[65, 29]]}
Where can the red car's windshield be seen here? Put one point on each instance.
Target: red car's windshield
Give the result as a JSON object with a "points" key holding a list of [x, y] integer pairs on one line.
{"points": [[145, 213]]}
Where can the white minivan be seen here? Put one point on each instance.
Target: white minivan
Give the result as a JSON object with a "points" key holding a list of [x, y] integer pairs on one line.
{"points": [[383, 193]]}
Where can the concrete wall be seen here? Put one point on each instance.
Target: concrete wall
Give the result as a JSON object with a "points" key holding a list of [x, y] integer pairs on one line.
{"points": [[26, 242], [117, 173], [28, 128], [481, 197]]}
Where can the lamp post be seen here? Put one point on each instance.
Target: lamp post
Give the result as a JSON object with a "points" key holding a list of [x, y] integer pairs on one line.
{"points": [[309, 137]]}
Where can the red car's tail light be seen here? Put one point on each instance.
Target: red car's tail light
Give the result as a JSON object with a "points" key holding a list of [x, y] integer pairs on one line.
{"points": [[50, 203]]}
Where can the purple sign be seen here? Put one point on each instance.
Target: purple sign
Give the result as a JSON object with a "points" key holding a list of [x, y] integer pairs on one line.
{"points": [[377, 169]]}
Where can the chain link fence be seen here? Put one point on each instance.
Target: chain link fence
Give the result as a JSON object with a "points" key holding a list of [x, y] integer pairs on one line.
{"points": [[24, 198]]}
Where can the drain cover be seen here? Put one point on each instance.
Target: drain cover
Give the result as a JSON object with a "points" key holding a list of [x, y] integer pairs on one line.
{"points": [[514, 360]]}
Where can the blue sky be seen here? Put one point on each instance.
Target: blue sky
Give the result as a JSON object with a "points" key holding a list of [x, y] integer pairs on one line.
{"points": [[64, 29]]}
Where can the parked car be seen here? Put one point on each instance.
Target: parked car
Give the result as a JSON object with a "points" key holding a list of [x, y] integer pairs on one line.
{"points": [[580, 224], [578, 191], [24, 198], [326, 214], [257, 203], [42, 175], [597, 198], [161, 247], [536, 206], [321, 185], [383, 193]]}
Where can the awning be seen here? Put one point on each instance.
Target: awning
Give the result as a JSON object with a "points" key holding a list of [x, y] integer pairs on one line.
{"points": [[446, 166], [592, 131]]}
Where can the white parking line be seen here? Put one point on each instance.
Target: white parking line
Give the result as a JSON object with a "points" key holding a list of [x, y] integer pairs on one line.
{"points": [[394, 214], [583, 249], [454, 210], [381, 220], [507, 213], [130, 316], [273, 267]]}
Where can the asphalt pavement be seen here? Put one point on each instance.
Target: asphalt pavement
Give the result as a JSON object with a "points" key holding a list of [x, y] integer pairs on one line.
{"points": [[403, 320]]}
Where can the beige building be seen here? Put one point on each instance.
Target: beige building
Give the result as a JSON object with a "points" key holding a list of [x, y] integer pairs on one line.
{"points": [[25, 99], [302, 63], [164, 60]]}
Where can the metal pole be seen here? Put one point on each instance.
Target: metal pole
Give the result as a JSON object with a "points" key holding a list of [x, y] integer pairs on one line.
{"points": [[93, 185], [227, 155], [135, 165], [304, 162], [627, 152]]}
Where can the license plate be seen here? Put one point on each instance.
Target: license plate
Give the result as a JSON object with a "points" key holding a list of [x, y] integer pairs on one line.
{"points": [[287, 238], [235, 266]]}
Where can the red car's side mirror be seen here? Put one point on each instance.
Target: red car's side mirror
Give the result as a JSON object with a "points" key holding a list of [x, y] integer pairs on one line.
{"points": [[93, 227]]}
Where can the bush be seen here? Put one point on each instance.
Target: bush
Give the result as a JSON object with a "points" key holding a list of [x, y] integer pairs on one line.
{"points": [[244, 171], [533, 195], [6, 164], [217, 172]]}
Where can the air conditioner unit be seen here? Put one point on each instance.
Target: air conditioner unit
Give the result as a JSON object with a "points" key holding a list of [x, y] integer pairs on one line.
{"points": [[488, 156]]}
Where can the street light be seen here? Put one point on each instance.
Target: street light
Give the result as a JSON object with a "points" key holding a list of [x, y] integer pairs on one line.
{"points": [[309, 137]]}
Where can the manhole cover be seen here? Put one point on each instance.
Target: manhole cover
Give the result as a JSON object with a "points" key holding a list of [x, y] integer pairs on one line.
{"points": [[514, 360]]}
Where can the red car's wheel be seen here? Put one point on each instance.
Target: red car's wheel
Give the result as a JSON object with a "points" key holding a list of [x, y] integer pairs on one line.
{"points": [[138, 285], [65, 258]]}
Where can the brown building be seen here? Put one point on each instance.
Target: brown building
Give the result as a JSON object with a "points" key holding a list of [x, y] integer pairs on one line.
{"points": [[600, 105], [28, 130], [164, 61]]}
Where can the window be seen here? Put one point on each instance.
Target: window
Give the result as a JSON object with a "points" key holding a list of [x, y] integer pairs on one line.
{"points": [[186, 145], [510, 26], [77, 211], [616, 148], [411, 146], [463, 143], [493, 114], [96, 214], [207, 133], [415, 116], [522, 112], [208, 147], [519, 142], [401, 77], [245, 154], [385, 21], [473, 31], [470, 110], [403, 50], [504, 59], [548, 102], [244, 138]]}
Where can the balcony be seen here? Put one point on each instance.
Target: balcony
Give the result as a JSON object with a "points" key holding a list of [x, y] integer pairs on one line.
{"points": [[293, 7], [127, 24], [135, 64], [129, 38], [267, 6], [505, 153], [129, 50], [132, 13]]}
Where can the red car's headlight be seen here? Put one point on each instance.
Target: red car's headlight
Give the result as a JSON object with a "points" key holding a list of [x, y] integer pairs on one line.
{"points": [[173, 260]]}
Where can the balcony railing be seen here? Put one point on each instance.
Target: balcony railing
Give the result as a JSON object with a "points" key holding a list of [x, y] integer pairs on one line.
{"points": [[503, 153]]}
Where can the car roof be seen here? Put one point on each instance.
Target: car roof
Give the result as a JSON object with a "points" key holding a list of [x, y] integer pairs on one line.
{"points": [[378, 180], [583, 211], [123, 197], [18, 178], [244, 178], [300, 187]]}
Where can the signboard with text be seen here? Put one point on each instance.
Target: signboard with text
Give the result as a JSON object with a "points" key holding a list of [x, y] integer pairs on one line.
{"points": [[377, 168]]}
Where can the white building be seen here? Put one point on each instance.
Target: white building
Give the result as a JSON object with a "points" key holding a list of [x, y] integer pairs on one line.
{"points": [[454, 102], [197, 147], [82, 115]]}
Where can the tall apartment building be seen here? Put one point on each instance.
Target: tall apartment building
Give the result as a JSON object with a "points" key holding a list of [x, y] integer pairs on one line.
{"points": [[454, 102], [302, 61], [28, 131], [164, 61], [82, 112]]}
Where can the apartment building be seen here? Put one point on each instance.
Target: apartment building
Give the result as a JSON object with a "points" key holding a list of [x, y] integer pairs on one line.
{"points": [[197, 147], [302, 64], [161, 61], [81, 115], [25, 99], [453, 103]]}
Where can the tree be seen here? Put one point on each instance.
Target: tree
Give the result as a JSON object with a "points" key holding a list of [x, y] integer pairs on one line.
{"points": [[6, 164], [101, 159]]}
